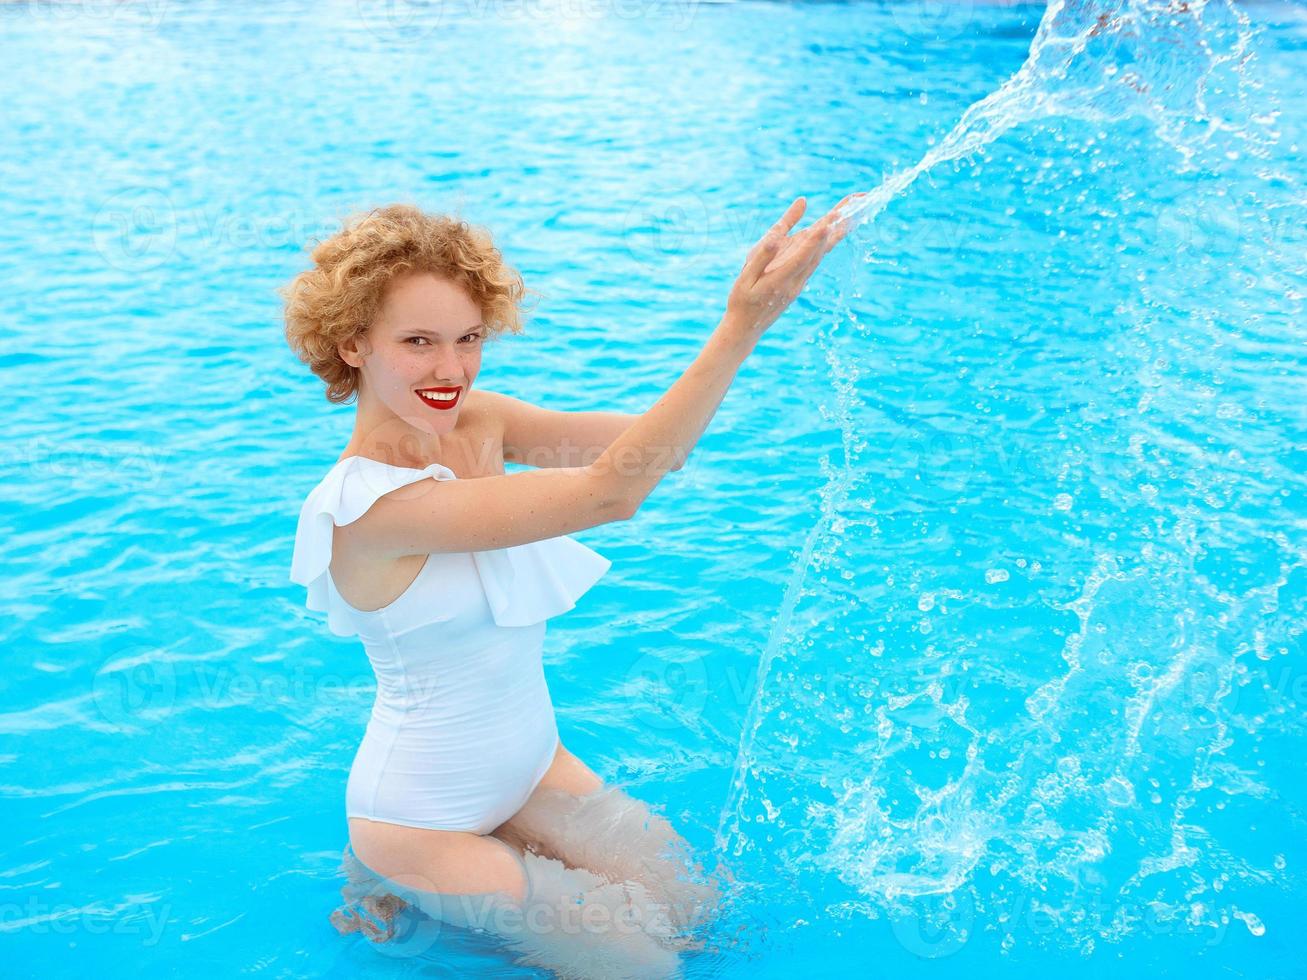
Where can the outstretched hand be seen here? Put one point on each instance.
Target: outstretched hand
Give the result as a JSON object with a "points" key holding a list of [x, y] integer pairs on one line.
{"points": [[831, 224], [778, 267]]}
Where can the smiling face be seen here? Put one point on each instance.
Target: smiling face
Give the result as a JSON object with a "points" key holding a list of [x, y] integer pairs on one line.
{"points": [[419, 358]]}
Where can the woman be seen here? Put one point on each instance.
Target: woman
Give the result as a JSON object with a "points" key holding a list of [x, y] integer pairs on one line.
{"points": [[447, 569]]}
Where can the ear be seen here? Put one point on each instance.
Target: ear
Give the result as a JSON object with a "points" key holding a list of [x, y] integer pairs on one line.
{"points": [[354, 350]]}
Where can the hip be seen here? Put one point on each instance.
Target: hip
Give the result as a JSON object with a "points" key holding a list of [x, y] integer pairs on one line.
{"points": [[461, 778]]}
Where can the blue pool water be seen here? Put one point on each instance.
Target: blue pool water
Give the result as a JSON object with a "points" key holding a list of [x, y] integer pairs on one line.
{"points": [[971, 637]]}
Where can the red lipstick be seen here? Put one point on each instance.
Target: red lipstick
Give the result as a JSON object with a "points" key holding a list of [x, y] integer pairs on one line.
{"points": [[442, 404]]}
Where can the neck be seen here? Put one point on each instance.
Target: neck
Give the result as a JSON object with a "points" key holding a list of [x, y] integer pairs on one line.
{"points": [[382, 435]]}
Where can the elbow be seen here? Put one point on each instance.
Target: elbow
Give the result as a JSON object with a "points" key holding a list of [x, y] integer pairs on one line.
{"points": [[622, 506], [614, 505], [613, 511], [625, 509], [613, 498]]}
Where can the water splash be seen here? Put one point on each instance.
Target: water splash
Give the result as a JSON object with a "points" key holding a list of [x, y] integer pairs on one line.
{"points": [[833, 496], [932, 796], [1106, 60]]}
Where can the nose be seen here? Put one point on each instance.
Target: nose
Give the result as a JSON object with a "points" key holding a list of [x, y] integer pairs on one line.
{"points": [[449, 366]]}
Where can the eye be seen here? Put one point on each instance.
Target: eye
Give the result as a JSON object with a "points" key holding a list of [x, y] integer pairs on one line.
{"points": [[411, 339], [470, 338]]}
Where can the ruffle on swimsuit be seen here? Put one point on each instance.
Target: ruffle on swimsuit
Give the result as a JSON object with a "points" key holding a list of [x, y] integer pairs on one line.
{"points": [[523, 584]]}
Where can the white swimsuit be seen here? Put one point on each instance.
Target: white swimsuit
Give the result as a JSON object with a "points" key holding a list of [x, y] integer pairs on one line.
{"points": [[462, 728]]}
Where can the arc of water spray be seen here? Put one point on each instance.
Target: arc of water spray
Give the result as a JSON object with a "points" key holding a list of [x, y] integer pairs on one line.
{"points": [[832, 499], [1025, 96], [954, 145]]}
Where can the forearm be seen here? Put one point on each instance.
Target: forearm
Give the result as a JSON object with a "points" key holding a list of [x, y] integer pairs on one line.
{"points": [[660, 440]]}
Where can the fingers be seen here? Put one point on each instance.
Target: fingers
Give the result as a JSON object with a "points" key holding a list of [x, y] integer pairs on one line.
{"points": [[835, 221], [800, 268], [771, 242], [833, 225], [806, 248], [779, 250], [791, 216], [848, 198], [762, 254]]}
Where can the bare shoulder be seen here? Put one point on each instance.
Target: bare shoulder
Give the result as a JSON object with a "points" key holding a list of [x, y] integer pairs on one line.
{"points": [[487, 407], [500, 412]]}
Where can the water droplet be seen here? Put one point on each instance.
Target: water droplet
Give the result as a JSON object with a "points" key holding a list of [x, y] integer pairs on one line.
{"points": [[1118, 791], [1250, 919], [996, 575], [1062, 501]]}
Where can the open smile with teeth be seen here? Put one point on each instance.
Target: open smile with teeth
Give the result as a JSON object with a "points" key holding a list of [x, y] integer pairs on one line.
{"points": [[440, 398]]}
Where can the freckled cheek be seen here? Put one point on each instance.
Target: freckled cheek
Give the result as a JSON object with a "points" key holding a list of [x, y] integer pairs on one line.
{"points": [[472, 366], [406, 368], [396, 382]]}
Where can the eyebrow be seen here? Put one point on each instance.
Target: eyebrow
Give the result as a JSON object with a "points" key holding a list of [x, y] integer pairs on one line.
{"points": [[429, 333]]}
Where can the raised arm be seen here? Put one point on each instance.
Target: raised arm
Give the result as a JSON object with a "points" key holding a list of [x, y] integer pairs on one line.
{"points": [[774, 273], [516, 508]]}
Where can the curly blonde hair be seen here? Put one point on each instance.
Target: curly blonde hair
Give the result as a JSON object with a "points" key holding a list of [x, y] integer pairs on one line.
{"points": [[341, 295]]}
